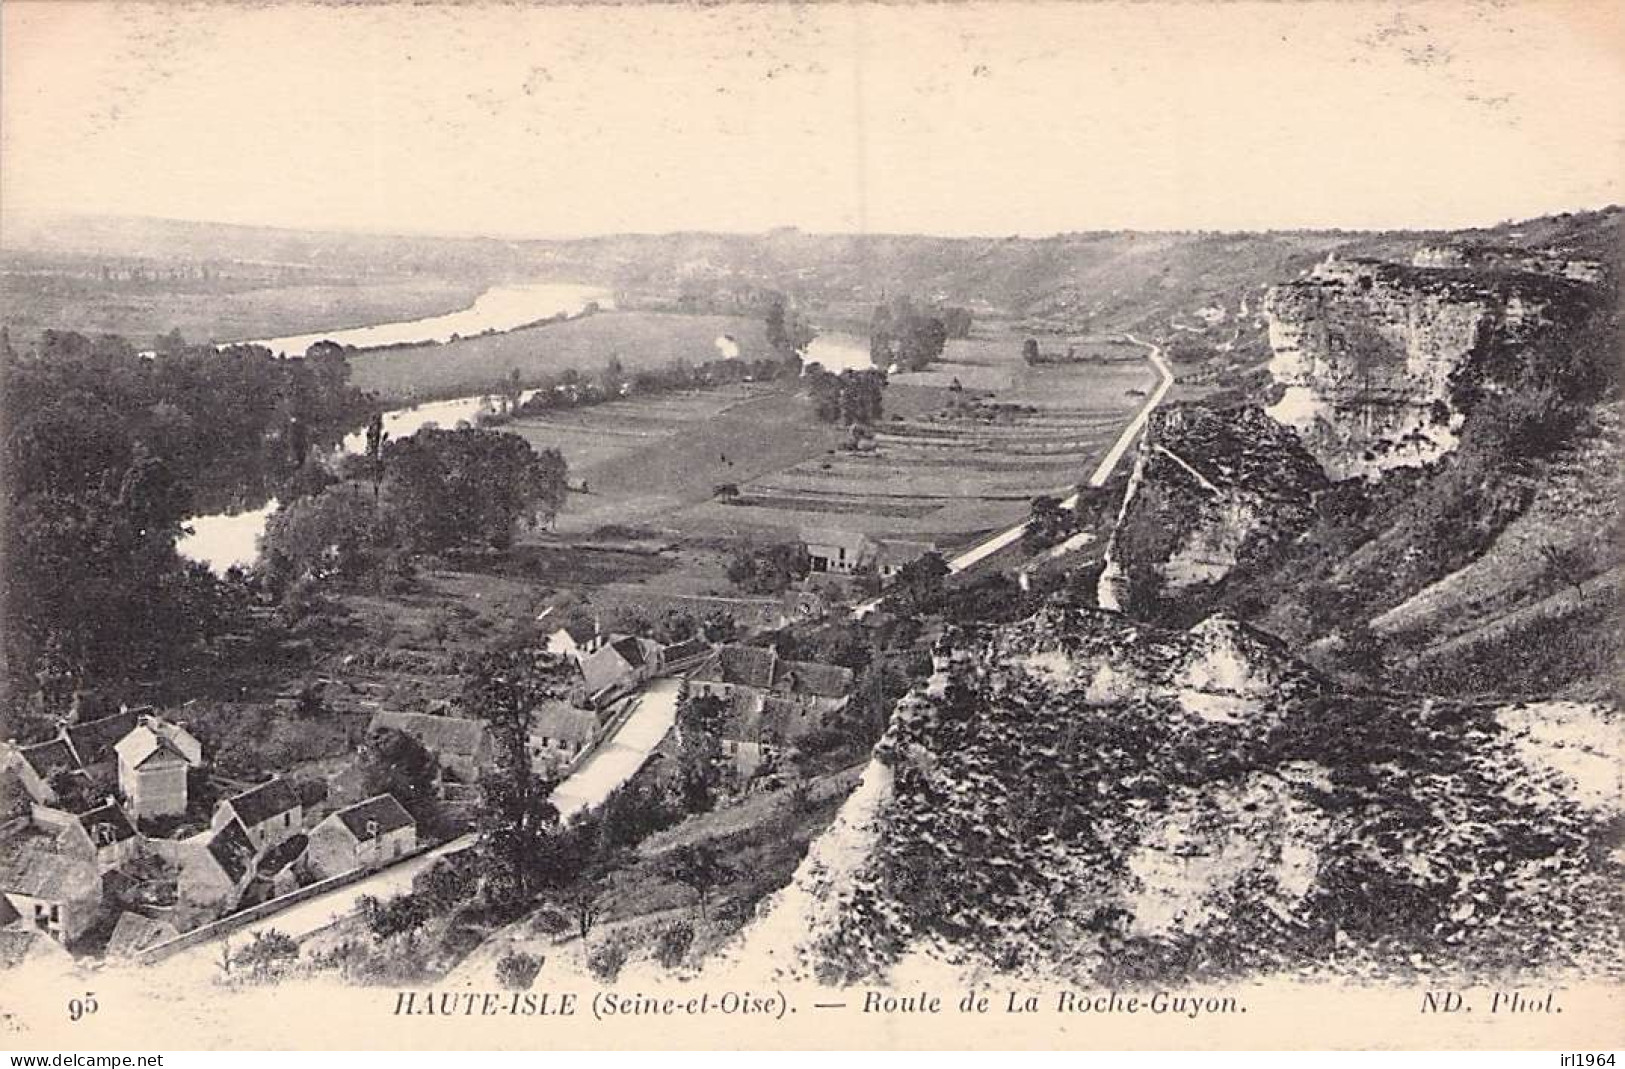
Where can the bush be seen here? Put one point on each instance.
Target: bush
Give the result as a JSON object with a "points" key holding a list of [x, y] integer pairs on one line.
{"points": [[673, 944], [550, 921], [607, 959], [517, 970]]}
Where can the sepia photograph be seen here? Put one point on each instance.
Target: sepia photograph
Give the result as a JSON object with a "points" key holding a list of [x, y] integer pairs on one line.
{"points": [[772, 526]]}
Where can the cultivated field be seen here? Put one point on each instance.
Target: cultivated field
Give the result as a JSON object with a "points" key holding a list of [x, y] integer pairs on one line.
{"points": [[945, 475], [475, 365], [644, 459]]}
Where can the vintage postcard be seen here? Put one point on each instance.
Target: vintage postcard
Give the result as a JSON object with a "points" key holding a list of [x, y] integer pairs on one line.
{"points": [[1039, 525]]}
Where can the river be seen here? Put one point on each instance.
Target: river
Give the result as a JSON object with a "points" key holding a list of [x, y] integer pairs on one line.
{"points": [[223, 539], [839, 352], [500, 308]]}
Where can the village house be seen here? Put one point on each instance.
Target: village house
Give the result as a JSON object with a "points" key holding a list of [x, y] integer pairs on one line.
{"points": [[134, 935], [575, 640], [624, 661], [93, 741], [836, 552], [758, 728], [153, 762], [461, 745], [214, 876], [39, 765], [269, 813], [52, 892], [103, 836], [559, 733], [23, 945], [681, 656], [364, 835], [893, 554], [759, 670], [279, 867]]}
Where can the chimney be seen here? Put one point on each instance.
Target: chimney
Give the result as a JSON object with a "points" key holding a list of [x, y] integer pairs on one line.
{"points": [[372, 829]]}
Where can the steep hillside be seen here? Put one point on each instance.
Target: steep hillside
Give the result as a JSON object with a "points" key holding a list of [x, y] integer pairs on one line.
{"points": [[1439, 464], [1080, 796]]}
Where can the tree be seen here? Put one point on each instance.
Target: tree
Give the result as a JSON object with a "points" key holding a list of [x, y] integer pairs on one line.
{"points": [[787, 334], [393, 762], [401, 915], [1568, 563], [699, 757], [1030, 353], [516, 820], [1047, 523], [582, 902], [444, 885], [769, 569], [341, 536], [919, 582], [698, 867], [471, 487]]}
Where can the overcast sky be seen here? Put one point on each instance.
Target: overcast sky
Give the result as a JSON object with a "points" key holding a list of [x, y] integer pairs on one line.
{"points": [[999, 119]]}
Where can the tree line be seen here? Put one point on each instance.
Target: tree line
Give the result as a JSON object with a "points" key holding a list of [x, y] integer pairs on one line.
{"points": [[105, 454]]}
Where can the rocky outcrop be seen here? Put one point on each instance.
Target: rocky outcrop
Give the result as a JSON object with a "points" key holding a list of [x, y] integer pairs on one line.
{"points": [[1077, 796], [1369, 354], [1211, 488]]}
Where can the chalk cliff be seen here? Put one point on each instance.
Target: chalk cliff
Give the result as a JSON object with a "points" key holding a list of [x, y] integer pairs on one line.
{"points": [[1371, 355]]}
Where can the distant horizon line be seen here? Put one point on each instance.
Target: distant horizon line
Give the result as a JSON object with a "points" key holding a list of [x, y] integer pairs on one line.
{"points": [[35, 219]]}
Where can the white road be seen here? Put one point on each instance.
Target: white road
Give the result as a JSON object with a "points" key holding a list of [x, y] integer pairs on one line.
{"points": [[613, 763], [1108, 463], [610, 766]]}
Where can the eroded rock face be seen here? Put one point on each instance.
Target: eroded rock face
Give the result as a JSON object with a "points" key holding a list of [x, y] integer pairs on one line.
{"points": [[1368, 354], [1084, 796], [1210, 488]]}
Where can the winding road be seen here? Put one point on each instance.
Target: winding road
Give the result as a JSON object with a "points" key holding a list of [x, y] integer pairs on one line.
{"points": [[1103, 471]]}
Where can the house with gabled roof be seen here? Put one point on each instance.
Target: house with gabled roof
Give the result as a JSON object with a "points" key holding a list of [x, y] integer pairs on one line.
{"points": [[461, 745], [93, 740], [37, 765], [22, 945], [575, 640], [559, 733], [365, 835], [52, 892], [759, 670], [892, 554], [279, 867], [103, 836], [681, 656], [758, 727], [134, 935], [153, 760], [625, 660], [269, 813], [835, 551], [215, 874]]}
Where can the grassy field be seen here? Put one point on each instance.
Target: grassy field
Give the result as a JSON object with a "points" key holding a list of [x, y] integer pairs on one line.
{"points": [[223, 310], [474, 365], [645, 459]]}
